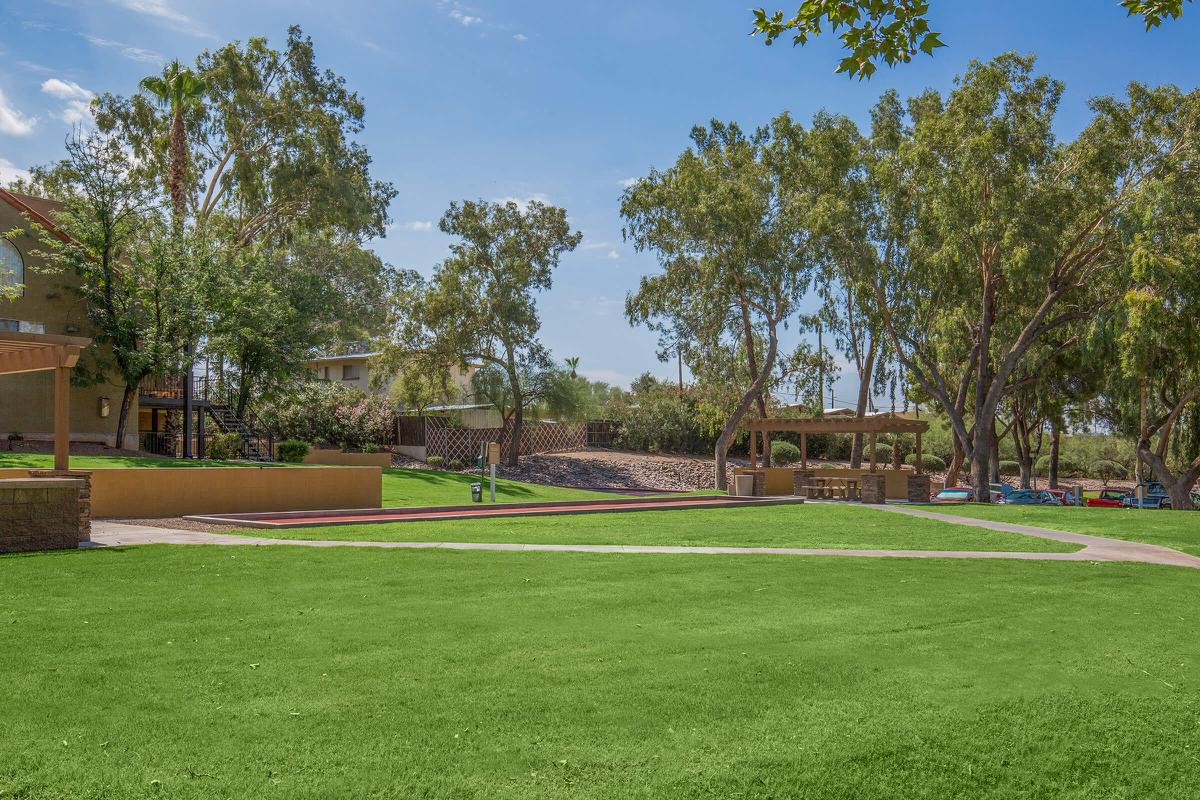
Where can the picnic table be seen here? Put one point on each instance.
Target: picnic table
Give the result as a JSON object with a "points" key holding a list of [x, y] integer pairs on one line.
{"points": [[833, 488]]}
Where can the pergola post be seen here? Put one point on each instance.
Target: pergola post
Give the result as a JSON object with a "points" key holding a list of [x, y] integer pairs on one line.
{"points": [[874, 441], [62, 417], [753, 450], [917, 457], [804, 451]]}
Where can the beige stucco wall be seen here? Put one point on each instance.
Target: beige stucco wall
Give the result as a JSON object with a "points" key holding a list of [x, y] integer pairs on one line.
{"points": [[331, 369], [27, 399], [174, 491]]}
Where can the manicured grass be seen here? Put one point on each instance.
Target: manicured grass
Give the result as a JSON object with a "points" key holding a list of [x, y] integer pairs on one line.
{"points": [[46, 461], [206, 672], [421, 487], [809, 525], [1177, 529]]}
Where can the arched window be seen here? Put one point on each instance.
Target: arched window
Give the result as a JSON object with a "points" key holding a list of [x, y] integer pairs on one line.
{"points": [[12, 266]]}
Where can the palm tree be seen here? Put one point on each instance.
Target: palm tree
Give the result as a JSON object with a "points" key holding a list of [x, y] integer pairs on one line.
{"points": [[572, 363], [177, 90]]}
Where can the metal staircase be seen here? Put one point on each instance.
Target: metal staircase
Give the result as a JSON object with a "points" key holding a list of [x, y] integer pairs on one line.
{"points": [[228, 421]]}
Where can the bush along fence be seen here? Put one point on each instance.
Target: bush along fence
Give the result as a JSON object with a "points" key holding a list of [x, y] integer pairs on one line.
{"points": [[442, 439]]}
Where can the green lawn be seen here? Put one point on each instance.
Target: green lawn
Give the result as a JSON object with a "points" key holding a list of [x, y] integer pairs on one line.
{"points": [[201, 672], [1177, 529], [808, 525], [46, 461], [420, 487]]}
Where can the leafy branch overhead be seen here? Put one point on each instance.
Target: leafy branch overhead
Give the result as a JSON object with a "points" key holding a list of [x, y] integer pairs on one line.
{"points": [[893, 31]]}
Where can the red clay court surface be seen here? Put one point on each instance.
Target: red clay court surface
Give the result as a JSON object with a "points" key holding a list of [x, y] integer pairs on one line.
{"points": [[308, 519]]}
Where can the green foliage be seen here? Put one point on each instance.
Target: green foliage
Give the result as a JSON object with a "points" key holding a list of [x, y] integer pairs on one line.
{"points": [[657, 417], [225, 446], [1107, 470], [929, 462], [435, 461], [480, 304], [329, 414], [784, 453], [1068, 467], [894, 30], [455, 464], [291, 451], [1010, 468]]}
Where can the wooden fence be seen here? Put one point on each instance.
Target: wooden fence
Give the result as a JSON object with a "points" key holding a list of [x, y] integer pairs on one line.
{"points": [[441, 439]]}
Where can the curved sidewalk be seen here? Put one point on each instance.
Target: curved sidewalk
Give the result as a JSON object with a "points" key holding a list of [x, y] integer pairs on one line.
{"points": [[1095, 548]]}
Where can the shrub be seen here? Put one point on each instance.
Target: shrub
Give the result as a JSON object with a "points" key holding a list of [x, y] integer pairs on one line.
{"points": [[883, 453], [291, 451], [1067, 467], [225, 446], [370, 447], [326, 413], [929, 462], [435, 461], [784, 453], [455, 464], [1108, 470], [1010, 468]]}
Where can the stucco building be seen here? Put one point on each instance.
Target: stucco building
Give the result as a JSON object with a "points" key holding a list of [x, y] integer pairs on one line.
{"points": [[46, 302]]}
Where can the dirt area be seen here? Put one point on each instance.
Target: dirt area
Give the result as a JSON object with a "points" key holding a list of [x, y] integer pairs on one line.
{"points": [[176, 523]]}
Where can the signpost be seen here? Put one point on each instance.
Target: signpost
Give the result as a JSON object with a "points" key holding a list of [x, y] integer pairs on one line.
{"points": [[493, 458]]}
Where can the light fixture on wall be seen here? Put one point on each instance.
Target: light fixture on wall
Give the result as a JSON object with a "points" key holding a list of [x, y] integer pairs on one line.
{"points": [[72, 328], [104, 407]]}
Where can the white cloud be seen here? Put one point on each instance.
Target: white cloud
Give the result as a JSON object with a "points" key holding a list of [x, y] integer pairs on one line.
{"points": [[520, 37], [613, 255], [65, 90], [420, 226], [10, 172], [78, 110], [466, 20], [12, 121], [523, 202], [157, 8], [627, 182], [139, 54]]}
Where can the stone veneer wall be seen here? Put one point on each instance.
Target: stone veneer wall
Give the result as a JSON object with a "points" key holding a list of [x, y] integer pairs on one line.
{"points": [[874, 488], [40, 514], [919, 488], [85, 496]]}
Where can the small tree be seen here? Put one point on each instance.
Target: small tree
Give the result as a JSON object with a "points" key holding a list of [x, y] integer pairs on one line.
{"points": [[480, 304], [134, 276]]}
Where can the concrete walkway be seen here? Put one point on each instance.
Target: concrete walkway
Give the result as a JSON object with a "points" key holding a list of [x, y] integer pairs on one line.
{"points": [[1095, 548]]}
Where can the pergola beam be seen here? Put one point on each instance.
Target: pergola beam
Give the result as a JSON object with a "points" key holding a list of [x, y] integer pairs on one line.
{"points": [[39, 352]]}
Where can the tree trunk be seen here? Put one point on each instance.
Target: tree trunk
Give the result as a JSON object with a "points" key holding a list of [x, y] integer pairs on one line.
{"points": [[123, 415], [860, 410], [178, 171], [721, 451], [1055, 448], [752, 365], [957, 457], [1179, 488], [518, 426]]}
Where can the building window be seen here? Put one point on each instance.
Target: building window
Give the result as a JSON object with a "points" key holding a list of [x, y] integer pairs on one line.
{"points": [[349, 372], [12, 266]]}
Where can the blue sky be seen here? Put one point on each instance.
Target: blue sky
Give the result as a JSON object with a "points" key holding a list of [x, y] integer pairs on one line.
{"points": [[561, 101]]}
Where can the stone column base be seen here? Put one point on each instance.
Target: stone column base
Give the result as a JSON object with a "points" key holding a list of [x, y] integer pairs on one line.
{"points": [[85, 495], [874, 488], [919, 488]]}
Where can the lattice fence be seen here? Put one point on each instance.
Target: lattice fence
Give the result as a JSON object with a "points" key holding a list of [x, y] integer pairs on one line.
{"points": [[537, 437]]}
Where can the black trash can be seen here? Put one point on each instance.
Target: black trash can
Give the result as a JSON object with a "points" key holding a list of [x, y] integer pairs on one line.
{"points": [[476, 492]]}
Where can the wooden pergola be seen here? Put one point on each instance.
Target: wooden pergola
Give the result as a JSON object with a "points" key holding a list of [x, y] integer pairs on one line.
{"points": [[39, 352], [875, 425]]}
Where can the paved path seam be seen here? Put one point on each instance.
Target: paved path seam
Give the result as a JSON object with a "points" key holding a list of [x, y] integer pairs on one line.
{"points": [[1095, 548]]}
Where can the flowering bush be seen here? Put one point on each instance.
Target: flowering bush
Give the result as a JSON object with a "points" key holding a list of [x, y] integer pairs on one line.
{"points": [[330, 415]]}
